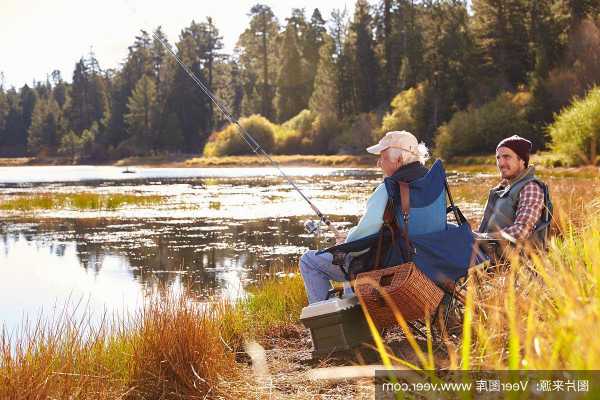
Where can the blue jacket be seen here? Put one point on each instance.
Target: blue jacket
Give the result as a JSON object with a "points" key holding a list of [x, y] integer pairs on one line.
{"points": [[422, 220]]}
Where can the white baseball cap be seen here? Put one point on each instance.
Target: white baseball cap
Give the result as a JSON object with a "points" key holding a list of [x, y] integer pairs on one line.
{"points": [[399, 139]]}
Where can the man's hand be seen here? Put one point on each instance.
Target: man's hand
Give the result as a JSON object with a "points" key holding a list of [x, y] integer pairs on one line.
{"points": [[479, 235], [340, 238], [482, 236]]}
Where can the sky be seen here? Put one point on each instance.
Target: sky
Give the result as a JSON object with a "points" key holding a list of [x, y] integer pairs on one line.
{"points": [[39, 36]]}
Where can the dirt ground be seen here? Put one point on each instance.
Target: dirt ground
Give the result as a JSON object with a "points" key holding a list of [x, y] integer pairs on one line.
{"points": [[289, 368]]}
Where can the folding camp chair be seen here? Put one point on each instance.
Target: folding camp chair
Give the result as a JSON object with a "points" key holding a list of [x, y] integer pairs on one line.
{"points": [[443, 251]]}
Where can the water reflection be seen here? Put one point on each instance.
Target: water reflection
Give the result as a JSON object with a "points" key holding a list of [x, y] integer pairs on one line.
{"points": [[116, 263], [213, 235]]}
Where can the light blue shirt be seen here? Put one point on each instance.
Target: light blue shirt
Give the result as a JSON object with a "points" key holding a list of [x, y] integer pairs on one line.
{"points": [[372, 219]]}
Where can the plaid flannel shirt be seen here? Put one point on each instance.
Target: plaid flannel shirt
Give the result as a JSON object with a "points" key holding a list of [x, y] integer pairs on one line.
{"points": [[529, 211]]}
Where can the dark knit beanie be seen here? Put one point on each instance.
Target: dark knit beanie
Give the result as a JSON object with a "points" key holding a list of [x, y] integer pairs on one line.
{"points": [[519, 145]]}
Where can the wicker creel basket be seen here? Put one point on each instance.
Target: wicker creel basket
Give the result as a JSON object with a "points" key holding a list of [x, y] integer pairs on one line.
{"points": [[413, 293]]}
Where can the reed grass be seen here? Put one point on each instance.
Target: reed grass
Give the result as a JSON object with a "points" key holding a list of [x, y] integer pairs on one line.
{"points": [[179, 352], [173, 349], [538, 312], [298, 160], [77, 201], [544, 311]]}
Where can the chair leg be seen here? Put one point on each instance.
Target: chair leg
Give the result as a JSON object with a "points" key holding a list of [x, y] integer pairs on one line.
{"points": [[441, 324]]}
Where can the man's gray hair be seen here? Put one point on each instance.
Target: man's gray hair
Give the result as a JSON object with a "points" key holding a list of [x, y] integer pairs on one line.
{"points": [[407, 157]]}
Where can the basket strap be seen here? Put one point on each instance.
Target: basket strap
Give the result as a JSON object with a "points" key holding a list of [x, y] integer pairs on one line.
{"points": [[379, 248], [405, 204], [388, 221]]}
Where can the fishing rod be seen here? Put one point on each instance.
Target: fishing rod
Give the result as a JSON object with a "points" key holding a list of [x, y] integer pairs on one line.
{"points": [[310, 226]]}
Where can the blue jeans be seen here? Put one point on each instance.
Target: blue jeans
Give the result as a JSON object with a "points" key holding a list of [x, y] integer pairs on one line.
{"points": [[317, 271]]}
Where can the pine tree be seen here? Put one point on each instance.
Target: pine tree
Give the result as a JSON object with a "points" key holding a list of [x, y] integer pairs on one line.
{"points": [[312, 40], [212, 44], [291, 85], [59, 90], [228, 88], [140, 61], [71, 145], [13, 141], [142, 110], [89, 100], [3, 112], [448, 56], [28, 99], [258, 58], [43, 133], [501, 31], [365, 66], [170, 138], [189, 103], [324, 97], [346, 98]]}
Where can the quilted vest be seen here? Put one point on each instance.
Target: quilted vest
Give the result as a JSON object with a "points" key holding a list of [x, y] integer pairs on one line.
{"points": [[501, 207]]}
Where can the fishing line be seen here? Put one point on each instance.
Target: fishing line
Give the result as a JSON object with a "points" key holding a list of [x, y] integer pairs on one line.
{"points": [[250, 141]]}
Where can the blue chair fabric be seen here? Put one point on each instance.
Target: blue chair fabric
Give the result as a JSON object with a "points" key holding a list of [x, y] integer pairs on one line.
{"points": [[442, 250]]}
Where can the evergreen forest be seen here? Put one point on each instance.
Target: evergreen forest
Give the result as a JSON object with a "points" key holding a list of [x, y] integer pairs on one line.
{"points": [[459, 75]]}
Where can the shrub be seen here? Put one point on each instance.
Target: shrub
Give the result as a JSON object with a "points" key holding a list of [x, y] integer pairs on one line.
{"points": [[575, 133], [229, 141], [479, 130], [326, 127], [307, 133], [295, 136], [287, 141], [70, 145], [359, 136], [407, 112], [301, 122]]}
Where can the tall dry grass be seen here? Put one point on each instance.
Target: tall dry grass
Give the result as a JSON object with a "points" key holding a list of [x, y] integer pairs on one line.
{"points": [[170, 350], [539, 311], [179, 352], [544, 311], [173, 349], [60, 357]]}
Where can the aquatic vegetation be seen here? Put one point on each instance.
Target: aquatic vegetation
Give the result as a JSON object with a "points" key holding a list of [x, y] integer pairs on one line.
{"points": [[214, 205], [332, 161], [77, 201]]}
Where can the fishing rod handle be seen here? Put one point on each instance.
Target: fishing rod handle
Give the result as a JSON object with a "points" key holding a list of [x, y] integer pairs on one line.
{"points": [[336, 231]]}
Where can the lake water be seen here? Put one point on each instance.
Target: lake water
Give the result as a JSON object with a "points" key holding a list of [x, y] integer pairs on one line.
{"points": [[218, 231]]}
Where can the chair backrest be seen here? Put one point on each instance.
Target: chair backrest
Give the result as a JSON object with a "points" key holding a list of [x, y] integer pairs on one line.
{"points": [[541, 231], [427, 202], [443, 251]]}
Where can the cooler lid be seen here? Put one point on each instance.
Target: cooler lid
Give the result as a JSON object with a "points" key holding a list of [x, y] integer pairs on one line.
{"points": [[328, 306]]}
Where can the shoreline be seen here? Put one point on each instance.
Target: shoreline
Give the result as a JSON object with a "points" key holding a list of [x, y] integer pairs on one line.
{"points": [[196, 161], [470, 164]]}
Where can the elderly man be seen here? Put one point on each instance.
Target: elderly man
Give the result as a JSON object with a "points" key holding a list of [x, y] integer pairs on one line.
{"points": [[515, 207], [400, 156]]}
